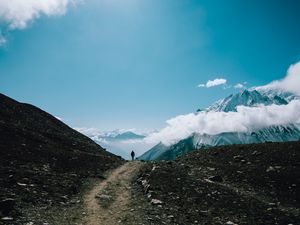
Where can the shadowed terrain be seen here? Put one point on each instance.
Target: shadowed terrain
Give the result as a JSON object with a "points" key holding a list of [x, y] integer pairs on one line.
{"points": [[237, 184], [43, 164], [51, 174]]}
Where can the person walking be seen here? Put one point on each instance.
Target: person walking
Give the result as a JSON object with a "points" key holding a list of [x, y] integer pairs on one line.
{"points": [[132, 155]]}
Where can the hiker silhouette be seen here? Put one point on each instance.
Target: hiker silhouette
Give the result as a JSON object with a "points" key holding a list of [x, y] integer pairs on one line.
{"points": [[132, 155]]}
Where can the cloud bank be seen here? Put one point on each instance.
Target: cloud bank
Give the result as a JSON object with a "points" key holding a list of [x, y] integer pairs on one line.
{"points": [[245, 119], [290, 83], [213, 83], [17, 14]]}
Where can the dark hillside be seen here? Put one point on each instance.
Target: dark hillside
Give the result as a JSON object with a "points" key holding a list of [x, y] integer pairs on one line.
{"points": [[43, 162], [237, 184]]}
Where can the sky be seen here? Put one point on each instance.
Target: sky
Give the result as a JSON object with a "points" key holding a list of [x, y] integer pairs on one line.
{"points": [[112, 64]]}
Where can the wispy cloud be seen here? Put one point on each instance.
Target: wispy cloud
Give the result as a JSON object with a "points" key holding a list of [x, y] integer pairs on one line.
{"points": [[17, 14], [239, 86], [290, 83], [213, 83], [2, 40]]}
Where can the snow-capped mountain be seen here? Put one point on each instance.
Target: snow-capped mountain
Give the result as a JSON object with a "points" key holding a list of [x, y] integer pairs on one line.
{"points": [[250, 98], [115, 135], [119, 142], [128, 135]]}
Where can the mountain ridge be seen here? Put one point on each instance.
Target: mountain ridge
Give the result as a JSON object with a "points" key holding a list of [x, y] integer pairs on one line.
{"points": [[248, 98], [44, 163]]}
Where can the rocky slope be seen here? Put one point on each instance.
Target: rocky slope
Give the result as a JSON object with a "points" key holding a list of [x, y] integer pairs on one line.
{"points": [[43, 163], [254, 184]]}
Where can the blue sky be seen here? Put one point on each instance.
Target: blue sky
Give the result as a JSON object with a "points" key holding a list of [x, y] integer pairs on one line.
{"points": [[135, 63]]}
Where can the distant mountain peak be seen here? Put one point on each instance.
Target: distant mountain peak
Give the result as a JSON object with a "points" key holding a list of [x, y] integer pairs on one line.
{"points": [[251, 97], [128, 135]]}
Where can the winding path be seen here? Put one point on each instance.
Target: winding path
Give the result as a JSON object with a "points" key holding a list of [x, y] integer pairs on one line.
{"points": [[108, 202]]}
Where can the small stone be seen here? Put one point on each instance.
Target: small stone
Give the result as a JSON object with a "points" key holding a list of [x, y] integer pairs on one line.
{"points": [[156, 202], [237, 157], [270, 169], [103, 197], [256, 153], [6, 218], [204, 211], [230, 223]]}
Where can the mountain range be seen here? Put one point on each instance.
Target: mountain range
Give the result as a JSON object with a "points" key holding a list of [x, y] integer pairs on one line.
{"points": [[119, 142], [251, 98]]}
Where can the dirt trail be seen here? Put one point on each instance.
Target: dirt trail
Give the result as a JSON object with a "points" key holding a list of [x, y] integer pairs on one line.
{"points": [[108, 203]]}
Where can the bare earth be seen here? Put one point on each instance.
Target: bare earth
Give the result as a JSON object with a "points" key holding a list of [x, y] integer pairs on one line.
{"points": [[108, 202]]}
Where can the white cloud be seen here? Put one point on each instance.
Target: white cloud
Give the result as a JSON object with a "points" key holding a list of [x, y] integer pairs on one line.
{"points": [[213, 83], [239, 86], [18, 13], [2, 40], [245, 119], [290, 83]]}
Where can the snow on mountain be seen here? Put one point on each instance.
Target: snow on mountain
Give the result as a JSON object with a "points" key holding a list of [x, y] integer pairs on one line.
{"points": [[269, 134], [249, 98], [275, 93], [119, 142]]}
